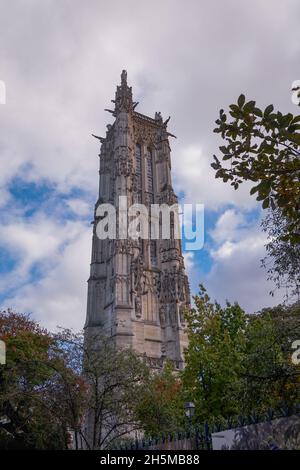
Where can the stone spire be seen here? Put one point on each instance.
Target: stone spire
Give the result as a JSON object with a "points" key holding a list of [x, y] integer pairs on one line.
{"points": [[123, 101]]}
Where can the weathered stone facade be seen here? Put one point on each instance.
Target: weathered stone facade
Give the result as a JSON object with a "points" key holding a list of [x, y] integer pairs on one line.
{"points": [[137, 289]]}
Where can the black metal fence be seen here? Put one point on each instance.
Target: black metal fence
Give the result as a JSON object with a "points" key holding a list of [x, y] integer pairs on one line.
{"points": [[199, 437]]}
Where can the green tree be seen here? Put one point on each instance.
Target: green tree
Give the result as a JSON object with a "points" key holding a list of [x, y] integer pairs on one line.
{"points": [[28, 420], [238, 363], [263, 147], [271, 378], [282, 260], [161, 405], [114, 378], [63, 387], [214, 357]]}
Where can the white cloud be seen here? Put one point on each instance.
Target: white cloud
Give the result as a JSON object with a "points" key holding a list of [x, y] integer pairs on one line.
{"points": [[4, 197], [189, 260], [61, 66], [79, 207], [236, 273], [60, 252], [58, 296], [227, 225], [194, 176], [61, 63]]}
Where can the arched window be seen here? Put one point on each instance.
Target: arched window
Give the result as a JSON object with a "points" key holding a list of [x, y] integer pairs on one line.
{"points": [[138, 171], [153, 253], [172, 225], [149, 170]]}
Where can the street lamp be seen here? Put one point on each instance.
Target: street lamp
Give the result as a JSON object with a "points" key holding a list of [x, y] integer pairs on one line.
{"points": [[189, 409]]}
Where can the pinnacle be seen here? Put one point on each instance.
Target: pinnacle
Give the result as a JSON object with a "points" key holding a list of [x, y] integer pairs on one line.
{"points": [[124, 77]]}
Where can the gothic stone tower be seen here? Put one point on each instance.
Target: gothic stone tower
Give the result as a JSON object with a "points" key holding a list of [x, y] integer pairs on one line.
{"points": [[137, 289]]}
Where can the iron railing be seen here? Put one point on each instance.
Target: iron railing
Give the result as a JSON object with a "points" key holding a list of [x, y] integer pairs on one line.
{"points": [[200, 436]]}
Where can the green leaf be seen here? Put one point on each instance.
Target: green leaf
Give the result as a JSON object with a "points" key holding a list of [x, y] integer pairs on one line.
{"points": [[241, 100], [257, 112], [268, 110], [296, 119], [249, 106], [223, 149], [234, 107], [254, 189], [266, 203], [294, 127]]}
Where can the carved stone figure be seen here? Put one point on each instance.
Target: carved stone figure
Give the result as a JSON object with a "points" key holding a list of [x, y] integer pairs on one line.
{"points": [[162, 315], [181, 314], [173, 315], [138, 307]]}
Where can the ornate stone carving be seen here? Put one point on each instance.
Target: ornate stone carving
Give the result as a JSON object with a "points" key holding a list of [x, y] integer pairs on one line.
{"points": [[138, 271], [181, 314], [155, 362], [173, 315], [163, 315], [167, 196], [123, 163], [157, 283], [173, 285], [143, 132], [170, 254], [181, 285], [138, 306], [123, 100], [134, 183], [105, 165]]}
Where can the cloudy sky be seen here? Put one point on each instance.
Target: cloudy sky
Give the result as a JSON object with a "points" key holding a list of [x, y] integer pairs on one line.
{"points": [[61, 61]]}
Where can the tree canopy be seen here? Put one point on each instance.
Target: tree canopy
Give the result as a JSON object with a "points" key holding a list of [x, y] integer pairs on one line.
{"points": [[237, 363], [263, 147], [66, 389]]}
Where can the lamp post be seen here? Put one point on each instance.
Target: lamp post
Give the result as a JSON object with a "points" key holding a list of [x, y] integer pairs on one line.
{"points": [[189, 409]]}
